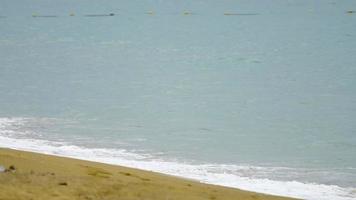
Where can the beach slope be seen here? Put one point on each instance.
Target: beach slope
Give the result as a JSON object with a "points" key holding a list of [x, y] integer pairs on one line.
{"points": [[27, 175]]}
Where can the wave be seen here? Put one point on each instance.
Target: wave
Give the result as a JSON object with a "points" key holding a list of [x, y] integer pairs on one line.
{"points": [[218, 174]]}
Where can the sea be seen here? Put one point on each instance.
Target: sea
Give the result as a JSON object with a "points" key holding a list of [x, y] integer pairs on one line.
{"points": [[257, 95]]}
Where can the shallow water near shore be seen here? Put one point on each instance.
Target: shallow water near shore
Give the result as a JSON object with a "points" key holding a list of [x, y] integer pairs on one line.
{"points": [[256, 95]]}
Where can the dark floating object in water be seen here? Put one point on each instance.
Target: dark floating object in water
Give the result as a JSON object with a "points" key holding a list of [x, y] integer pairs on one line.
{"points": [[241, 14], [350, 11], [100, 15]]}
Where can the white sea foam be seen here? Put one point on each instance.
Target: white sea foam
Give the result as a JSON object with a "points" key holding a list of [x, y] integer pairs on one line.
{"points": [[207, 173]]}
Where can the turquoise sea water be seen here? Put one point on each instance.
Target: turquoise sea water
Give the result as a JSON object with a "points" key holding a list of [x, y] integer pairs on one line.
{"points": [[265, 95]]}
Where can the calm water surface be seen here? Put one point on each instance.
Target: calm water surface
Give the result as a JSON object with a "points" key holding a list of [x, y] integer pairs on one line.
{"points": [[273, 88]]}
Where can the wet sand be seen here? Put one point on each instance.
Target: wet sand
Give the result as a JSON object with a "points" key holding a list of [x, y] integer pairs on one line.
{"points": [[42, 177]]}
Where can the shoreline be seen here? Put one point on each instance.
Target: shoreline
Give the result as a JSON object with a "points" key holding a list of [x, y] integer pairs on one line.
{"points": [[42, 176], [201, 173]]}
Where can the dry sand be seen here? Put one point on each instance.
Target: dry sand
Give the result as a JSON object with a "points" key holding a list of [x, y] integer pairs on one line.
{"points": [[42, 177]]}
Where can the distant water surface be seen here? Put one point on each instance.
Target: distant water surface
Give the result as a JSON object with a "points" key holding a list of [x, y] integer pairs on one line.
{"points": [[270, 85]]}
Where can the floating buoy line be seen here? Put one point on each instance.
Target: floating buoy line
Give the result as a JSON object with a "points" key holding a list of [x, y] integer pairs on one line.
{"points": [[150, 12], [100, 15]]}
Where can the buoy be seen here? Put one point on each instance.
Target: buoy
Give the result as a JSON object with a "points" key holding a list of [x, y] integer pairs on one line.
{"points": [[71, 14], [187, 13], [350, 11]]}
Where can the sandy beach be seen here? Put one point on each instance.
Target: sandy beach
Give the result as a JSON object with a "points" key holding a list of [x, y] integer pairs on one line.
{"points": [[27, 175]]}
